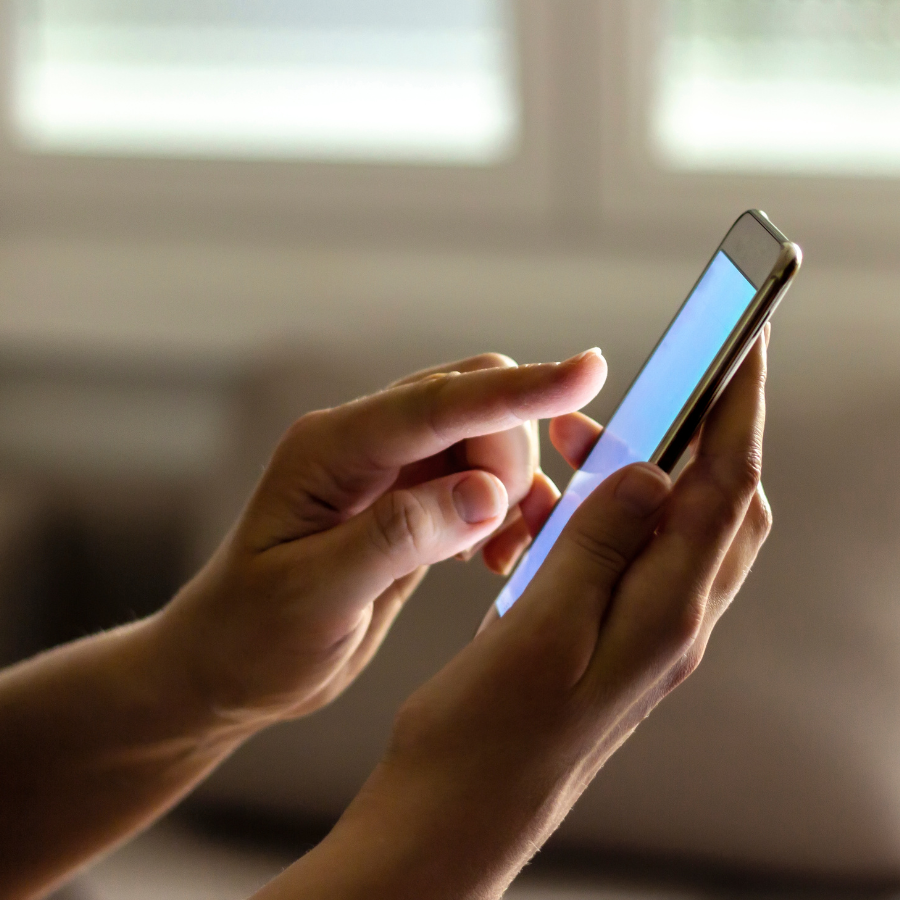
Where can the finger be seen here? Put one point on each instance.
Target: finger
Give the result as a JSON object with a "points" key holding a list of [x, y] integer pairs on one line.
{"points": [[740, 557], [731, 575], [360, 559], [502, 551], [415, 421], [385, 610], [470, 552], [661, 602], [504, 548], [511, 455], [539, 503], [334, 463], [523, 522], [574, 435], [471, 364], [567, 599], [731, 437]]}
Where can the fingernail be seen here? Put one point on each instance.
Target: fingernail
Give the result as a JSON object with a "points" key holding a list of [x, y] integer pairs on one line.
{"points": [[643, 489], [767, 332], [594, 351], [478, 498]]}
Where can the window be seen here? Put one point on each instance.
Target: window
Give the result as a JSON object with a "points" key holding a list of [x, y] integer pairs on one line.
{"points": [[782, 86], [621, 123], [360, 80]]}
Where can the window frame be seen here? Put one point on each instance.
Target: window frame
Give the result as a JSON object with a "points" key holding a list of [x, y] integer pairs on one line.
{"points": [[638, 196], [297, 193], [585, 177]]}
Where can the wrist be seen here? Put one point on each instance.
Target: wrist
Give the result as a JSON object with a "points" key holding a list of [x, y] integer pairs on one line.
{"points": [[430, 831], [182, 671]]}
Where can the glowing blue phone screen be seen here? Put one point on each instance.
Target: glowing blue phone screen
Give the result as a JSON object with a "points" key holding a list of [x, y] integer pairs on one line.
{"points": [[656, 398]]}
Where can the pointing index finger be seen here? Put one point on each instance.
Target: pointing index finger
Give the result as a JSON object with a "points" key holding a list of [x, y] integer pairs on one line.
{"points": [[414, 421], [471, 364]]}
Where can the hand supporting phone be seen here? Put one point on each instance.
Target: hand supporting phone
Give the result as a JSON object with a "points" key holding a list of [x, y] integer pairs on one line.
{"points": [[690, 366]]}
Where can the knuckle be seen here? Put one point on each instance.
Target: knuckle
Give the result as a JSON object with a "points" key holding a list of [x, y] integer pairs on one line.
{"points": [[737, 477], [682, 628], [684, 668], [688, 624], [303, 435], [760, 517], [434, 387], [722, 595], [727, 513], [730, 494], [494, 361], [436, 381], [603, 554], [401, 525], [307, 426], [745, 473]]}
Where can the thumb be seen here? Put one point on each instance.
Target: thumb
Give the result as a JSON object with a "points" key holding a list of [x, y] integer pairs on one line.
{"points": [[568, 597], [402, 531]]}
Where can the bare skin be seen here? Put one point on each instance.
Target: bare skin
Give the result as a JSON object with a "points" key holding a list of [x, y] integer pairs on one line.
{"points": [[489, 756], [98, 738]]}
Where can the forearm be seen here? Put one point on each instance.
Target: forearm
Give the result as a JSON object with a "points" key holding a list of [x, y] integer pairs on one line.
{"points": [[97, 738], [428, 835]]}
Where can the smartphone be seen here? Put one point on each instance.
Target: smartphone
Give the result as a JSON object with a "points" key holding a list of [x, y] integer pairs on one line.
{"points": [[687, 371]]}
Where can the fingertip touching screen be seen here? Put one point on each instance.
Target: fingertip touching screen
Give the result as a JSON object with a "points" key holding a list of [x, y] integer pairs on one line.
{"points": [[652, 404]]}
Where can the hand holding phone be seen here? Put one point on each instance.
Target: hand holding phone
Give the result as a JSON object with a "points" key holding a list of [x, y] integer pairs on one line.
{"points": [[694, 360], [488, 756]]}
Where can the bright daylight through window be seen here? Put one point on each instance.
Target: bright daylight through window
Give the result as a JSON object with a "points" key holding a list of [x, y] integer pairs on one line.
{"points": [[792, 86], [381, 80]]}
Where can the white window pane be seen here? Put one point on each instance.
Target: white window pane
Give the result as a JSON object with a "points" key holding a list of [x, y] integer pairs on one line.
{"points": [[793, 86], [393, 80]]}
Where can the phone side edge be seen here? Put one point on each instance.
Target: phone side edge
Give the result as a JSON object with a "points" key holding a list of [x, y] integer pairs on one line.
{"points": [[729, 358]]}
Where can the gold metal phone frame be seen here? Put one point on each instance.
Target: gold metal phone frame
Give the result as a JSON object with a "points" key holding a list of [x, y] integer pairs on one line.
{"points": [[734, 350]]}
